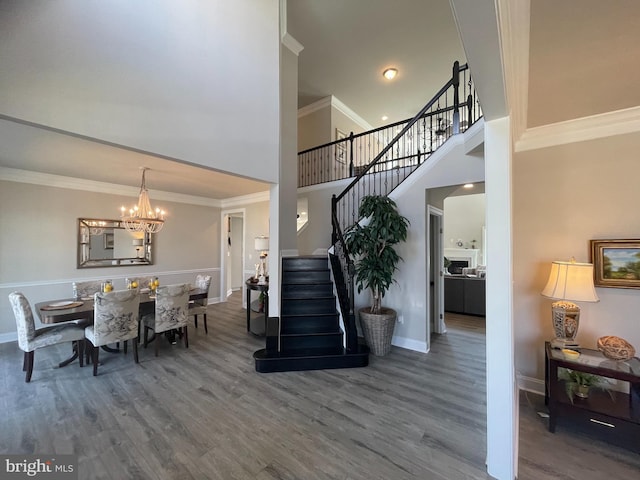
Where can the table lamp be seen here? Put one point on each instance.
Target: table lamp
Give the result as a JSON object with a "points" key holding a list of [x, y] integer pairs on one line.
{"points": [[568, 282], [137, 243], [262, 246]]}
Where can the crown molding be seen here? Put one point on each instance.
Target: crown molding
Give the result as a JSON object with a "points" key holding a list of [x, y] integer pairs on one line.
{"points": [[245, 199], [333, 102], [342, 108], [581, 129], [314, 107], [72, 183], [292, 44]]}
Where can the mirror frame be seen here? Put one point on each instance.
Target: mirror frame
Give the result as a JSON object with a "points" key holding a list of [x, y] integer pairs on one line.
{"points": [[84, 248]]}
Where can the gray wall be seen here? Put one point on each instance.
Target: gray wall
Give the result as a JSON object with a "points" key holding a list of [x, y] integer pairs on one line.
{"points": [[38, 235]]}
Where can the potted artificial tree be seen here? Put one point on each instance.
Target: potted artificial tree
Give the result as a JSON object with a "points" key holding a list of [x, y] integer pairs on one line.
{"points": [[372, 245]]}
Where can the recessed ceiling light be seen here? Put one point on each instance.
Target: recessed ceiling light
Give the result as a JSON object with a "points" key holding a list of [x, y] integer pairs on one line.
{"points": [[384, 117], [390, 73], [468, 185]]}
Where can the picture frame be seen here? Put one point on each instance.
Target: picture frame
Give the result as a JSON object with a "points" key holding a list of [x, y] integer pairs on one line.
{"points": [[616, 263], [341, 148], [108, 241]]}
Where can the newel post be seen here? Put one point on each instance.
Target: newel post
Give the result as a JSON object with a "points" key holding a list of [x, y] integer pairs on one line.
{"points": [[455, 79], [351, 154], [334, 207]]}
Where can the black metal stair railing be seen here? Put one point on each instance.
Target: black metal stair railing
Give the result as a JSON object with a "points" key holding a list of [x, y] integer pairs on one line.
{"points": [[396, 151], [348, 157]]}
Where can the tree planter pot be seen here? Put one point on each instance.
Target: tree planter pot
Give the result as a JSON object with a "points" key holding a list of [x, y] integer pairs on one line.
{"points": [[378, 329]]}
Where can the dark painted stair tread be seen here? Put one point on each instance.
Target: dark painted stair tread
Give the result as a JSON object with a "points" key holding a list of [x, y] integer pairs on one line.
{"points": [[310, 359], [304, 341]]}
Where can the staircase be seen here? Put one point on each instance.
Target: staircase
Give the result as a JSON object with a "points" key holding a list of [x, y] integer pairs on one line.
{"points": [[310, 336]]}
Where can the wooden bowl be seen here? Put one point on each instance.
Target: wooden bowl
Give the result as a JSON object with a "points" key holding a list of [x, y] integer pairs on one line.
{"points": [[616, 348]]}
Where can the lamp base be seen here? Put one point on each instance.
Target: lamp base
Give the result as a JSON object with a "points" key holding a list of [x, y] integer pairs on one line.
{"points": [[561, 343], [566, 319]]}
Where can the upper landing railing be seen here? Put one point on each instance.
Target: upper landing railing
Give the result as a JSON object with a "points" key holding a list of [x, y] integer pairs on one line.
{"points": [[350, 156]]}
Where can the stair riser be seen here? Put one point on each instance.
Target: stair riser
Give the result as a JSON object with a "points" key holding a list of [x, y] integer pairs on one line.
{"points": [[310, 324], [333, 340], [294, 306], [311, 363], [304, 263], [312, 276], [296, 290]]}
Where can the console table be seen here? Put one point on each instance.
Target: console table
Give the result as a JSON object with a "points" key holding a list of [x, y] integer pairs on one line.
{"points": [[256, 324], [464, 295], [611, 415]]}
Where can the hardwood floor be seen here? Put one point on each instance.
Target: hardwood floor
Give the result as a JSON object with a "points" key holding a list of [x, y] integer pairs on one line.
{"points": [[204, 413]]}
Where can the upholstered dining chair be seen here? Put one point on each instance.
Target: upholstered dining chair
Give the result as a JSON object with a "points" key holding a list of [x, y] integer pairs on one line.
{"points": [[171, 313], [86, 290], [115, 319], [199, 307], [30, 339]]}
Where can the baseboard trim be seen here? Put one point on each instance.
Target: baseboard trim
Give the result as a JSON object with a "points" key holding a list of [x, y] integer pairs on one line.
{"points": [[8, 337], [530, 384], [409, 344]]}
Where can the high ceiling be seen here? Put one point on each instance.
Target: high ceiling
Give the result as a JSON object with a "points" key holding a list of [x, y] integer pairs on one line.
{"points": [[348, 44]]}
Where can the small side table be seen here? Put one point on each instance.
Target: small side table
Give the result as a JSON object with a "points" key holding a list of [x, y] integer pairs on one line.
{"points": [[611, 415], [259, 323]]}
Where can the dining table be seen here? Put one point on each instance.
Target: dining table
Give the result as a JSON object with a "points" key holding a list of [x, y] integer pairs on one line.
{"points": [[71, 309]]}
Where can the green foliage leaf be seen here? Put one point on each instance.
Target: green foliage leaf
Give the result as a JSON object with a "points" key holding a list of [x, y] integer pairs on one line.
{"points": [[371, 243]]}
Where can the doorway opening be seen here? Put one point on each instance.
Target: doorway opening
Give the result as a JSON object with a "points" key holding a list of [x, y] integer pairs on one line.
{"points": [[232, 252]]}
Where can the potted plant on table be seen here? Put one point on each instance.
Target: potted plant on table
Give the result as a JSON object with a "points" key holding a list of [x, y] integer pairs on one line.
{"points": [[579, 383], [372, 245]]}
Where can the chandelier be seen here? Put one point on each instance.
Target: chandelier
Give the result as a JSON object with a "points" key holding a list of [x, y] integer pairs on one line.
{"points": [[142, 218]]}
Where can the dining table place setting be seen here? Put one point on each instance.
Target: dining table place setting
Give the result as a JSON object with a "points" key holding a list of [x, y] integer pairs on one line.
{"points": [[62, 305]]}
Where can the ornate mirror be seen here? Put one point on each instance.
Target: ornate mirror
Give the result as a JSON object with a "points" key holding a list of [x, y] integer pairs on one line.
{"points": [[106, 243]]}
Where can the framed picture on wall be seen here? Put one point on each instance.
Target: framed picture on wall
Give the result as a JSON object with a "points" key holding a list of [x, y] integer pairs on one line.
{"points": [[108, 241], [616, 263], [341, 148]]}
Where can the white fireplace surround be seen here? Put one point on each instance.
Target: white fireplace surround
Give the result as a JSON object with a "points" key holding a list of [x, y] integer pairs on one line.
{"points": [[463, 254]]}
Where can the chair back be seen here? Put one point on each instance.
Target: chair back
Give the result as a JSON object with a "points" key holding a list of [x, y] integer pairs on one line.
{"points": [[24, 319], [115, 317], [203, 282], [86, 289], [172, 307]]}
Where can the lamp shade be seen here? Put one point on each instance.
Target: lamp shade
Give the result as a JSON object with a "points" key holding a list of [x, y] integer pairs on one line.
{"points": [[262, 243], [571, 281], [136, 242]]}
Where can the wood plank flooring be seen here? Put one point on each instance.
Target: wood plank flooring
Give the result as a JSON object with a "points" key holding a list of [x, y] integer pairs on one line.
{"points": [[204, 413]]}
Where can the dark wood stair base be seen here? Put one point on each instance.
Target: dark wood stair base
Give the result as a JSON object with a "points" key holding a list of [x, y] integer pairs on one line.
{"points": [[308, 333], [298, 360]]}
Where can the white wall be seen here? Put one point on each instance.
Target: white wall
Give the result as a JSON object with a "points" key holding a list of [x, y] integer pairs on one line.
{"points": [[317, 234], [464, 217], [447, 166], [314, 127], [563, 197], [184, 79]]}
